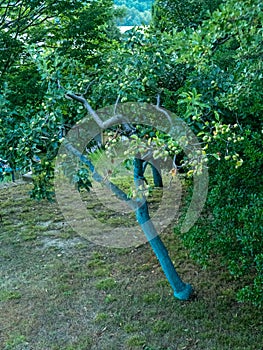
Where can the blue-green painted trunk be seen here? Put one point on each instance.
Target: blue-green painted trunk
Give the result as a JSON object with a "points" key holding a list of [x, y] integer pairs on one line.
{"points": [[157, 177], [156, 172], [181, 290]]}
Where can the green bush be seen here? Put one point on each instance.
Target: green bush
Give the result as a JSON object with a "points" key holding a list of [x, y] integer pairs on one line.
{"points": [[231, 227]]}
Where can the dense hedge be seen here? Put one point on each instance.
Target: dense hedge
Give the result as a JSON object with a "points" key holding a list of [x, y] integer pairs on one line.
{"points": [[231, 226], [220, 57]]}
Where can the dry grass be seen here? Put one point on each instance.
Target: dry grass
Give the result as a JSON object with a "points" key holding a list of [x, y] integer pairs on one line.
{"points": [[60, 291]]}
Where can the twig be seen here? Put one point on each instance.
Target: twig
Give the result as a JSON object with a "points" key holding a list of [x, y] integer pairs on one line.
{"points": [[116, 104], [162, 110], [89, 85]]}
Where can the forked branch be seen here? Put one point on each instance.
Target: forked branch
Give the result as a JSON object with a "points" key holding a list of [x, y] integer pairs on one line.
{"points": [[103, 125]]}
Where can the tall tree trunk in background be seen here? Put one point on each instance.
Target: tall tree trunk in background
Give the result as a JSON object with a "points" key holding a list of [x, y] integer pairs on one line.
{"points": [[156, 172]]}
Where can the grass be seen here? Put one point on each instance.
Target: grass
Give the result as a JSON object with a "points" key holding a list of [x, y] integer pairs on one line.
{"points": [[60, 291], [6, 295]]}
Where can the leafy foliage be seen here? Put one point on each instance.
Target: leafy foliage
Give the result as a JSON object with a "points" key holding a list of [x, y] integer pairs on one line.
{"points": [[224, 56], [170, 14], [40, 43]]}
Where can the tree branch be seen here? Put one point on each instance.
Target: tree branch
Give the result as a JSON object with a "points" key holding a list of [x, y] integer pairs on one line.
{"points": [[221, 41], [97, 177], [162, 110], [103, 125]]}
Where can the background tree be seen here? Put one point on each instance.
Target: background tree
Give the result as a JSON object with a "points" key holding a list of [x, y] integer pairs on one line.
{"points": [[135, 12], [177, 14]]}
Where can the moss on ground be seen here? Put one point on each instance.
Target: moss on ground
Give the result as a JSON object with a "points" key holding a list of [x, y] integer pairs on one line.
{"points": [[59, 291]]}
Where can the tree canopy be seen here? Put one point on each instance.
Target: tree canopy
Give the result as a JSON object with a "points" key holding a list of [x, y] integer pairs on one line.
{"points": [[54, 33]]}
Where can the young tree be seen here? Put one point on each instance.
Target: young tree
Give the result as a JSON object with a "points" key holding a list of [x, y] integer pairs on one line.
{"points": [[123, 117], [210, 76], [208, 71], [32, 122]]}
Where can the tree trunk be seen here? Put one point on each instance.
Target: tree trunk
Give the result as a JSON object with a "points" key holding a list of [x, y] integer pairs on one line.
{"points": [[156, 172], [157, 175], [181, 290]]}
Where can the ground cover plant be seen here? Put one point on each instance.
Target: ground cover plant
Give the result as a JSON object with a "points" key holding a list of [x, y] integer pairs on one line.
{"points": [[61, 291]]}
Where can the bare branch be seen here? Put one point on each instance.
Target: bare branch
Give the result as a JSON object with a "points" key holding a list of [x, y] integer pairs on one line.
{"points": [[103, 125], [87, 88], [116, 104], [162, 110]]}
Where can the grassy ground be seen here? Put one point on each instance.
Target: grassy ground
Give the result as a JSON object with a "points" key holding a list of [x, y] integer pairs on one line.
{"points": [[59, 291]]}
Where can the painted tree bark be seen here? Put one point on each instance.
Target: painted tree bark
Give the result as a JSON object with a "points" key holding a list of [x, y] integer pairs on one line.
{"points": [[157, 175], [181, 290], [156, 172]]}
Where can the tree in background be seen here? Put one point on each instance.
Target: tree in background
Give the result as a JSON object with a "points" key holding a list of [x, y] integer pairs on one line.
{"points": [[135, 13], [177, 14]]}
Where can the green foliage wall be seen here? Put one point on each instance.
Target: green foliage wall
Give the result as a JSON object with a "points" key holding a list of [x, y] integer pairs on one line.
{"points": [[224, 67]]}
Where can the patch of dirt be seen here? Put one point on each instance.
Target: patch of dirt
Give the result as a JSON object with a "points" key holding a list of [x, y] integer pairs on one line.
{"points": [[63, 244]]}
